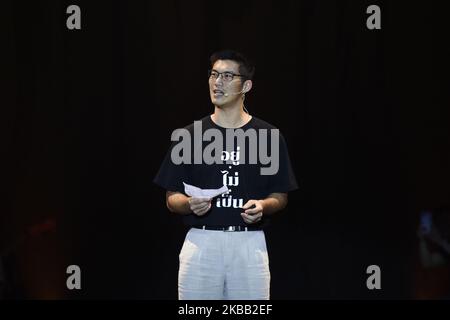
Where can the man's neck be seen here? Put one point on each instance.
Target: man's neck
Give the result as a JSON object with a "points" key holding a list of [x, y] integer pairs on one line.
{"points": [[230, 117]]}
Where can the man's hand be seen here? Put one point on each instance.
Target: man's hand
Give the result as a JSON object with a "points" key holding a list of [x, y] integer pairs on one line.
{"points": [[254, 214], [199, 206]]}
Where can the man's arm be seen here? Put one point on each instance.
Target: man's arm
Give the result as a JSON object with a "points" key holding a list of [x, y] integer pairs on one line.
{"points": [[268, 206], [179, 203], [274, 202]]}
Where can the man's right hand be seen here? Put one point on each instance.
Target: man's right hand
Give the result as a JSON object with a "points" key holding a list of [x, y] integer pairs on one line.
{"points": [[199, 206]]}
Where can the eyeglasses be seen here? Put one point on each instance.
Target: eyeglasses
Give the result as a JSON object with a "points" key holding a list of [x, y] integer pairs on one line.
{"points": [[227, 76]]}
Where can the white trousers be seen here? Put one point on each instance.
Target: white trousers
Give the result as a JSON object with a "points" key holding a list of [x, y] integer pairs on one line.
{"points": [[224, 265]]}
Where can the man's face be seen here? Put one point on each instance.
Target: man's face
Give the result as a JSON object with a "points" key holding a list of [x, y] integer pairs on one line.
{"points": [[222, 90]]}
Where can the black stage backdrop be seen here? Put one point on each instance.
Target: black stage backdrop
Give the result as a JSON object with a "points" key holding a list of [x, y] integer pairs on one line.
{"points": [[86, 118]]}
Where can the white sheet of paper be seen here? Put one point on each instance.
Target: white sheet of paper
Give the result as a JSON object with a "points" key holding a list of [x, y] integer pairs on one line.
{"points": [[196, 192]]}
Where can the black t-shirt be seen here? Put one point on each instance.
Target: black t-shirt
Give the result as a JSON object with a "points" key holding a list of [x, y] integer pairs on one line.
{"points": [[242, 177]]}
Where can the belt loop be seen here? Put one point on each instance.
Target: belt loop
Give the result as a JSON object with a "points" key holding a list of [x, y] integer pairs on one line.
{"points": [[246, 229], [204, 227]]}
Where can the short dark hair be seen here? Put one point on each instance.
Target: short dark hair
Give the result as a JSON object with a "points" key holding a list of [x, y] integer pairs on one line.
{"points": [[246, 68]]}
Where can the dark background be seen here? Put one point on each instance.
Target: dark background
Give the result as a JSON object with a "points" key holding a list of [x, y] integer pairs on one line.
{"points": [[86, 118]]}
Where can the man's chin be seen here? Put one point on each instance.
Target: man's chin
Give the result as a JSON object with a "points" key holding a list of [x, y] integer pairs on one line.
{"points": [[222, 103], [218, 103]]}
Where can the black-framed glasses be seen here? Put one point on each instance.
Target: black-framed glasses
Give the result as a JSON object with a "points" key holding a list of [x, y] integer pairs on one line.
{"points": [[227, 76]]}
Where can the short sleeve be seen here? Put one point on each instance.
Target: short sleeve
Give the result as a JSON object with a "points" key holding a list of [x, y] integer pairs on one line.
{"points": [[171, 176], [284, 179]]}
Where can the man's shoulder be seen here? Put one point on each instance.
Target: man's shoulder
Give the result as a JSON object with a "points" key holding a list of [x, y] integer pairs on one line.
{"points": [[259, 123], [262, 124]]}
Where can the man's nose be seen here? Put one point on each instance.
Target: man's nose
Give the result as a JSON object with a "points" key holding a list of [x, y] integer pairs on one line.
{"points": [[219, 78]]}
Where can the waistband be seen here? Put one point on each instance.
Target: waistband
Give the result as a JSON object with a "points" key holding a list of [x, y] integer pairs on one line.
{"points": [[228, 228]]}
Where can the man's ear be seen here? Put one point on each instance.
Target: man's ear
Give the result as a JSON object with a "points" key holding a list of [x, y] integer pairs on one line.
{"points": [[247, 86]]}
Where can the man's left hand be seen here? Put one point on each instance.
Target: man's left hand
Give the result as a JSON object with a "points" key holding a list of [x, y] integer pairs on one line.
{"points": [[254, 214]]}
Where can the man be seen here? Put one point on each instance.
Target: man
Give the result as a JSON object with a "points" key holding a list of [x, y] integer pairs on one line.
{"points": [[224, 255]]}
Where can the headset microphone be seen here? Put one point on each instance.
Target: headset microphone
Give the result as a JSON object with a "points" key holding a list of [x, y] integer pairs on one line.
{"points": [[242, 91], [234, 93]]}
